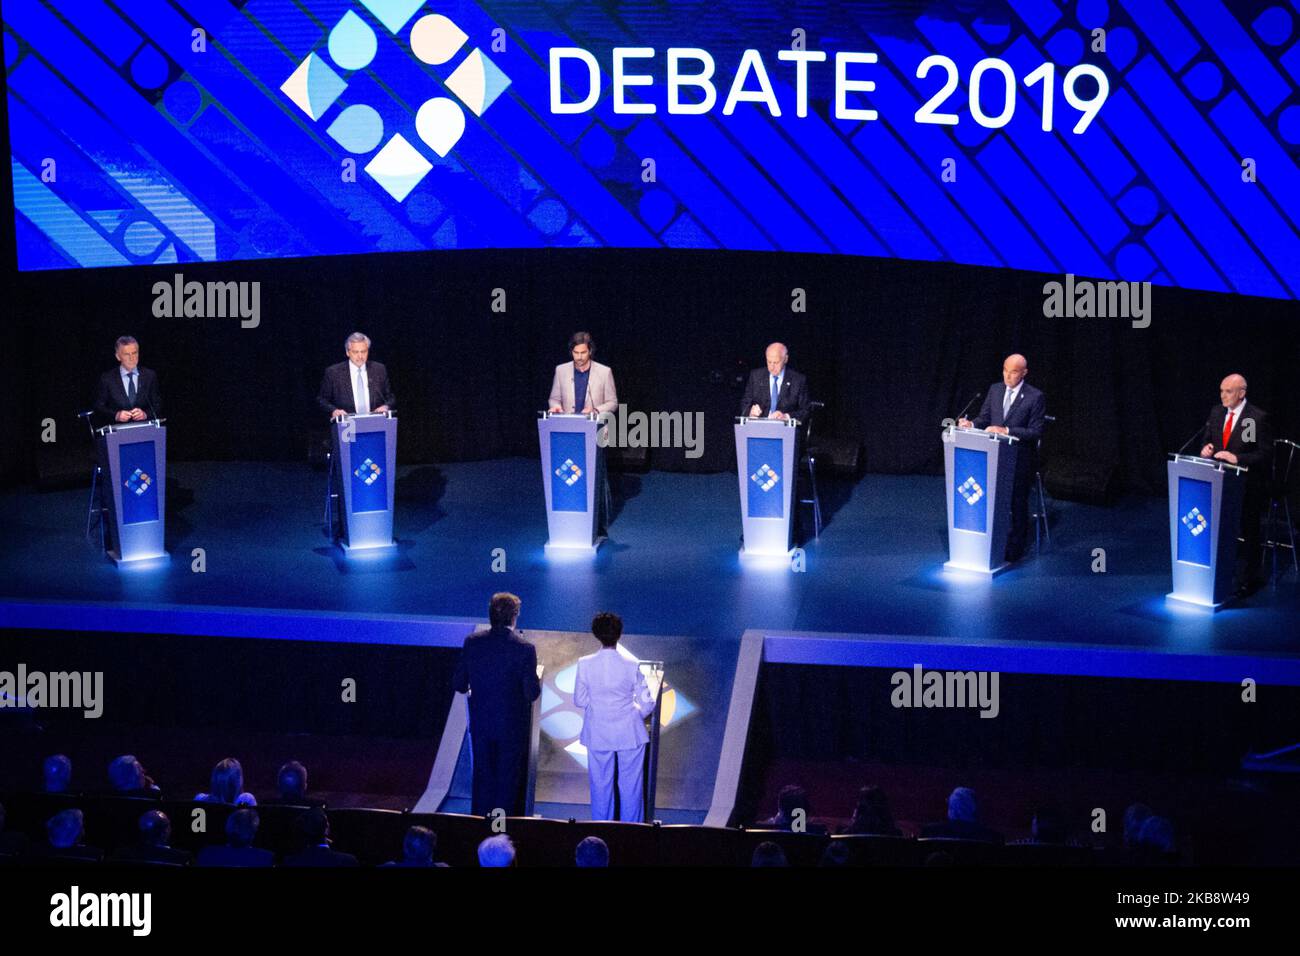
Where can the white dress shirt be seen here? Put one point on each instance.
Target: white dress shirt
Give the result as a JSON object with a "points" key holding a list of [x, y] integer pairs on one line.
{"points": [[357, 396]]}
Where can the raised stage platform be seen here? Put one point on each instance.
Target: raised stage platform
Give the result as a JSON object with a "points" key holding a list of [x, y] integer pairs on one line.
{"points": [[670, 566]]}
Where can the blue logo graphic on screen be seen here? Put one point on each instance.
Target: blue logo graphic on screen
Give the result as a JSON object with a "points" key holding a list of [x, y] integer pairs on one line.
{"points": [[970, 502], [139, 489], [369, 482], [1194, 503], [131, 144], [766, 496], [568, 477]]}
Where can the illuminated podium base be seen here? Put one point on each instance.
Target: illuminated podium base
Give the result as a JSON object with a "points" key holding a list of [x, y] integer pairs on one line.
{"points": [[1204, 514]]}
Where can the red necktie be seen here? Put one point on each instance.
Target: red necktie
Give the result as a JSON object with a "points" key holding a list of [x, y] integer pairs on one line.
{"points": [[1227, 429]]}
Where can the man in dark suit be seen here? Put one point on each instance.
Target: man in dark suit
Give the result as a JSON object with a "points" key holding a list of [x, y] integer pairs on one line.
{"points": [[498, 669], [1240, 434], [314, 829], [357, 386], [777, 391], [155, 843], [1014, 407], [128, 393], [241, 831]]}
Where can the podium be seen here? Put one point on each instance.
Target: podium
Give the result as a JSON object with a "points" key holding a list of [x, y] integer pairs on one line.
{"points": [[569, 457], [365, 447], [979, 468], [1204, 512], [767, 470], [133, 457]]}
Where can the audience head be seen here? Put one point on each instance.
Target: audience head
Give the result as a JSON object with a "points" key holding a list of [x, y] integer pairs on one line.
{"points": [[126, 773], [1048, 825], [314, 827], [793, 797], [503, 609], [155, 828], [419, 845], [592, 852], [1134, 817], [64, 828], [608, 628], [496, 851], [768, 853], [292, 781], [57, 774], [962, 806], [1157, 836], [872, 814], [227, 781], [241, 827], [835, 854]]}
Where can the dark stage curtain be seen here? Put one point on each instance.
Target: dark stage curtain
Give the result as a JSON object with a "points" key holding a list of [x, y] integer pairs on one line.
{"points": [[892, 347]]}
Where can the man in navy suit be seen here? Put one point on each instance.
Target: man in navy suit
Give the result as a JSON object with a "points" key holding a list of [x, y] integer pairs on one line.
{"points": [[128, 393], [498, 669], [789, 387], [1014, 407], [1239, 433], [357, 386]]}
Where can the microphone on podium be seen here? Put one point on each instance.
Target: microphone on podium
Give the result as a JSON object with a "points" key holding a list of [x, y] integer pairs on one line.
{"points": [[962, 414]]}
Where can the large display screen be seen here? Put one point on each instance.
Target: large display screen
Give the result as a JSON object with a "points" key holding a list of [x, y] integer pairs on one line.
{"points": [[1131, 139]]}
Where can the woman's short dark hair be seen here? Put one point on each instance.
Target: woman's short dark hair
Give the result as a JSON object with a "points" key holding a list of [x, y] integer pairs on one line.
{"points": [[582, 338], [607, 627], [503, 609]]}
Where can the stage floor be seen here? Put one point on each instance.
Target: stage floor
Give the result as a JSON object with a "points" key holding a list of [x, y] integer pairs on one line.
{"points": [[670, 567]]}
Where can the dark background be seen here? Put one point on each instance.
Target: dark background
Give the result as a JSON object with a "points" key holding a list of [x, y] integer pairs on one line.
{"points": [[891, 346]]}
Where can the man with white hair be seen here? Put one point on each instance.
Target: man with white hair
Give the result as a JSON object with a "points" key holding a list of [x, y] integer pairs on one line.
{"points": [[496, 852], [357, 386], [776, 391], [1238, 432]]}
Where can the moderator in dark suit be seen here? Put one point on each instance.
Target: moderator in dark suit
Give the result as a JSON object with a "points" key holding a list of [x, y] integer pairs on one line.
{"points": [[499, 670], [1253, 448], [793, 398], [336, 388], [111, 397], [1024, 420]]}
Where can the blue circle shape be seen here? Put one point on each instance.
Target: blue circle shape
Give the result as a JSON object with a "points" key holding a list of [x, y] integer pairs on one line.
{"points": [[657, 209], [141, 238], [1092, 13], [549, 215], [597, 147], [149, 68], [358, 129], [182, 100], [1288, 124], [1122, 46], [1139, 205], [1204, 80], [1274, 26]]}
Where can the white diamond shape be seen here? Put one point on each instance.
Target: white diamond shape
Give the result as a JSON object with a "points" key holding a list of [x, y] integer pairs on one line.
{"points": [[398, 167]]}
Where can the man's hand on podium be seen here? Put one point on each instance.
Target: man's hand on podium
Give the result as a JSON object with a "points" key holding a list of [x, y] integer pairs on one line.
{"points": [[589, 409], [122, 416], [755, 411], [998, 430], [556, 410], [137, 415], [779, 416], [381, 409], [1207, 451], [337, 414], [964, 423], [1227, 456]]}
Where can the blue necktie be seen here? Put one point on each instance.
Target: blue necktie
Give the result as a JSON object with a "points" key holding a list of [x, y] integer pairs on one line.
{"points": [[130, 391], [775, 396], [363, 395]]}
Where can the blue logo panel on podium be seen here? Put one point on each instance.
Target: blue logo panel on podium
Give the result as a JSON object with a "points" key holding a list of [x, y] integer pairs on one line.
{"points": [[970, 493], [766, 496], [369, 482], [1194, 504], [139, 470], [568, 471]]}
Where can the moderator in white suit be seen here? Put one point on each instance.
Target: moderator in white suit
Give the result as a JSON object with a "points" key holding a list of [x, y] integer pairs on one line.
{"points": [[615, 700]]}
